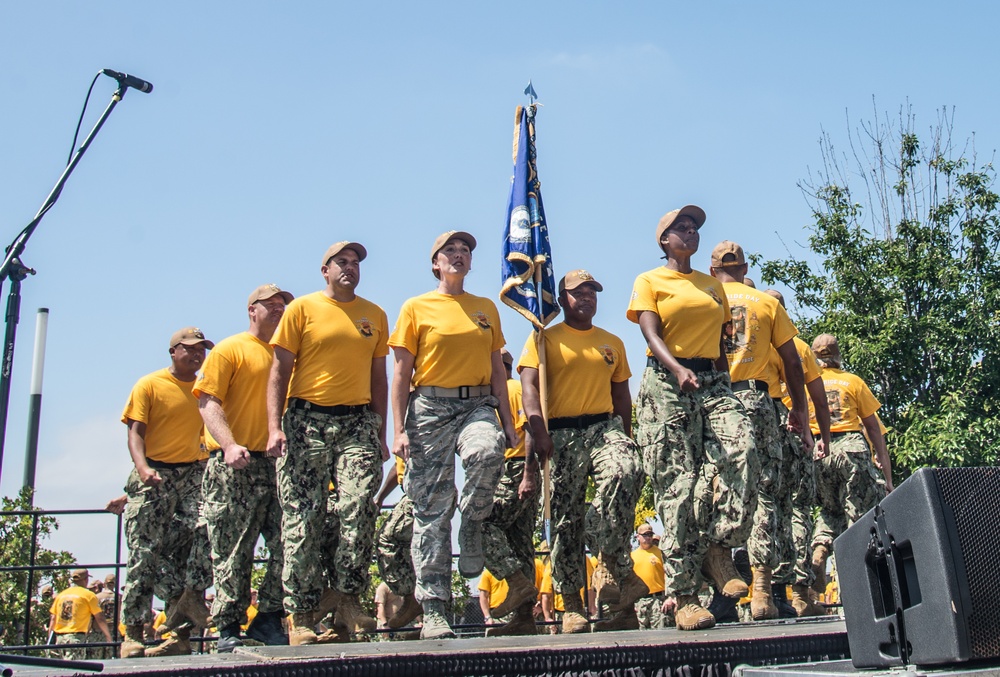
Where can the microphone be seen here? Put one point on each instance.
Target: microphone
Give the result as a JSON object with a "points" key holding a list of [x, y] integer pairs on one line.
{"points": [[129, 80]]}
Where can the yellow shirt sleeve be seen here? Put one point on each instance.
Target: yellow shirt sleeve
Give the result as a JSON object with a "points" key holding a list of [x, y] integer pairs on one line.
{"points": [[170, 411]]}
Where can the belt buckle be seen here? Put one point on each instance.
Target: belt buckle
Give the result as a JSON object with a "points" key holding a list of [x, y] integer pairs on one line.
{"points": [[463, 392]]}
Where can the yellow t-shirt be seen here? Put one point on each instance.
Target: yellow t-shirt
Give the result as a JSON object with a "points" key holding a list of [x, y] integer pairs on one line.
{"points": [[692, 309], [251, 614], [648, 565], [236, 372], [73, 609], [580, 367], [334, 344], [545, 584], [400, 469], [850, 400], [517, 412], [759, 323], [810, 369], [170, 411], [452, 338], [497, 588]]}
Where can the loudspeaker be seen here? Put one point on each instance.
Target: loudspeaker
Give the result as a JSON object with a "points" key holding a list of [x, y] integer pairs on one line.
{"points": [[919, 574]]}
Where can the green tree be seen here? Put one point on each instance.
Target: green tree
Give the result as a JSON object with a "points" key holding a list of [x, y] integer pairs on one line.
{"points": [[15, 550], [904, 270]]}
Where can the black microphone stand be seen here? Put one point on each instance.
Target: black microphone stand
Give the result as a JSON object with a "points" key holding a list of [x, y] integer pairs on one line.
{"points": [[14, 270]]}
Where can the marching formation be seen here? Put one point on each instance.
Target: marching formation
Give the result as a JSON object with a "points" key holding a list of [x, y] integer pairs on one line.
{"points": [[281, 432]]}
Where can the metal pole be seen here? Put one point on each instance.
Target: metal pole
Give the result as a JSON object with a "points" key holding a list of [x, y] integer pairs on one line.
{"points": [[29, 587], [35, 402]]}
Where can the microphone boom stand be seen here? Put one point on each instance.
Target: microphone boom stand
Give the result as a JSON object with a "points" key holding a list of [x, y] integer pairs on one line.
{"points": [[14, 270]]}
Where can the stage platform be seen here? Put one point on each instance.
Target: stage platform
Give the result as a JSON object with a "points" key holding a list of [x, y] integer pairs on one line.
{"points": [[664, 653]]}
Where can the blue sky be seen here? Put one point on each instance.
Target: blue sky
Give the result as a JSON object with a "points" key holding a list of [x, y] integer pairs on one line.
{"points": [[275, 129]]}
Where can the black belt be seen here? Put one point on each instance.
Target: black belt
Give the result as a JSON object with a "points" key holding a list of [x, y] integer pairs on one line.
{"points": [[219, 452], [335, 410], [692, 363], [843, 432], [654, 595], [578, 422], [751, 384], [163, 465]]}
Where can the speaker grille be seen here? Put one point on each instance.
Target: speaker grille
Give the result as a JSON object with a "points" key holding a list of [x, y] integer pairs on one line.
{"points": [[973, 494]]}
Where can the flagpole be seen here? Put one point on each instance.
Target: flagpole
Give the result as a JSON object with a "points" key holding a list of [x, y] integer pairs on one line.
{"points": [[543, 396]]}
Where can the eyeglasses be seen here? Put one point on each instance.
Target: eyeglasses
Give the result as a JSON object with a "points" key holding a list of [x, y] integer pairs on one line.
{"points": [[645, 534]]}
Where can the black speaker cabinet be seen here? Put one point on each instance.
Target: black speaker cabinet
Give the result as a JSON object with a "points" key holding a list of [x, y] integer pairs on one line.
{"points": [[920, 573]]}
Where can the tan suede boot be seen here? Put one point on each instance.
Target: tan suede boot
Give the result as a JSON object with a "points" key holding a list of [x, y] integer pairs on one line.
{"points": [[519, 591], [626, 619], [410, 610], [820, 555], [630, 589], [179, 644], [189, 606], [523, 623], [327, 603], [132, 646], [803, 603], [352, 616], [300, 628], [691, 615], [719, 568], [574, 618], [761, 603]]}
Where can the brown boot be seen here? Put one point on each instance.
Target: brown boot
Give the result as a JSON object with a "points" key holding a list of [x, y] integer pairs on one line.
{"points": [[630, 589], [335, 635], [762, 603], [410, 610], [519, 591], [132, 646], [352, 616], [719, 568], [626, 619], [820, 553], [691, 615], [574, 619], [300, 628], [189, 606], [803, 603], [179, 644], [327, 603], [523, 623]]}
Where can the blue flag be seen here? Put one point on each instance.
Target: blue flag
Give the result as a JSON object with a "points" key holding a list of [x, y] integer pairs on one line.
{"points": [[529, 284]]}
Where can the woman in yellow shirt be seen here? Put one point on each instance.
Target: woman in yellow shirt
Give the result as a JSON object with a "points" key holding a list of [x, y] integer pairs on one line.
{"points": [[448, 386], [690, 425]]}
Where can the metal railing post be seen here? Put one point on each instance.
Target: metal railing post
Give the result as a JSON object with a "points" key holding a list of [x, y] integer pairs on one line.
{"points": [[28, 587]]}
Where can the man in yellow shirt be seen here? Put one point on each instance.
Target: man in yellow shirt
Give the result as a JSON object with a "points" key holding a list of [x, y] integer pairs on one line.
{"points": [[168, 546], [847, 483], [647, 562], [758, 325], [588, 434], [329, 358], [240, 490], [71, 613]]}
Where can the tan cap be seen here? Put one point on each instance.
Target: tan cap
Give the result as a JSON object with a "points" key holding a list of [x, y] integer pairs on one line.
{"points": [[750, 283], [575, 278], [776, 294], [79, 574], [727, 253], [266, 291], [507, 358], [95, 584], [190, 336], [695, 212], [443, 238], [825, 345], [646, 528], [337, 247], [110, 581], [46, 590]]}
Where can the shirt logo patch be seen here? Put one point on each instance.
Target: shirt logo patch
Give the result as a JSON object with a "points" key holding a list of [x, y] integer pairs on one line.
{"points": [[481, 319], [365, 327], [715, 297], [608, 355]]}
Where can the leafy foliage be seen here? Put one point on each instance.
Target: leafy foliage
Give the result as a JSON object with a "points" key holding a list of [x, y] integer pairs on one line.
{"points": [[15, 550], [907, 279]]}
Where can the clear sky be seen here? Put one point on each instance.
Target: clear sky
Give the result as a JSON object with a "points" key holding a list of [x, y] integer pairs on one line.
{"points": [[276, 129]]}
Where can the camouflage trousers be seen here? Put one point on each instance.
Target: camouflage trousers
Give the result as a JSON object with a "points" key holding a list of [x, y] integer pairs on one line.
{"points": [[324, 534], [240, 506], [167, 540], [392, 545], [847, 486], [698, 451], [70, 638], [438, 428], [508, 531], [650, 612], [796, 498], [606, 453], [762, 546]]}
